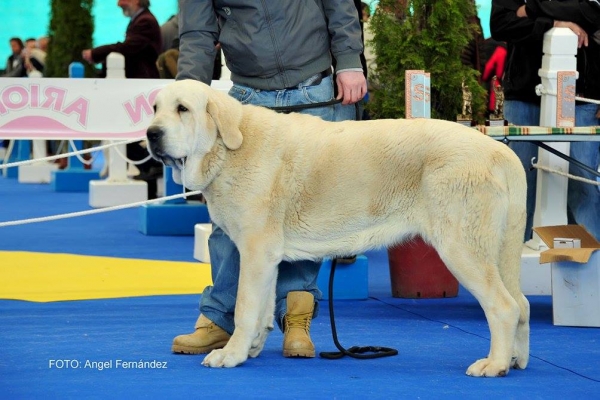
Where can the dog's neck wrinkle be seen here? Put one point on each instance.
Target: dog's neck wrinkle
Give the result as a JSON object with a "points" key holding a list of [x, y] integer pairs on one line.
{"points": [[212, 164]]}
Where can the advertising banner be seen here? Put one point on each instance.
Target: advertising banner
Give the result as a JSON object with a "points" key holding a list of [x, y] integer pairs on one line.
{"points": [[63, 108]]}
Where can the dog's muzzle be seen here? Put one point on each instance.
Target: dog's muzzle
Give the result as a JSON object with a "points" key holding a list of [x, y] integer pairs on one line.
{"points": [[155, 135]]}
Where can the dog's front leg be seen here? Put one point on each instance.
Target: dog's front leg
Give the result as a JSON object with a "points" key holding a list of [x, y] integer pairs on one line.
{"points": [[256, 290]]}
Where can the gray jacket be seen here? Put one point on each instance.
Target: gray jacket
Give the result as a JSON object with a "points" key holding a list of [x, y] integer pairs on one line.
{"points": [[268, 45]]}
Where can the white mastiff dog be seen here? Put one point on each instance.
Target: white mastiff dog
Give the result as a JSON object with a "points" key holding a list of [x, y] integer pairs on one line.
{"points": [[294, 187]]}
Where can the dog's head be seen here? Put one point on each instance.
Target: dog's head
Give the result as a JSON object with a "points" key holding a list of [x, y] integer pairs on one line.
{"points": [[189, 116]]}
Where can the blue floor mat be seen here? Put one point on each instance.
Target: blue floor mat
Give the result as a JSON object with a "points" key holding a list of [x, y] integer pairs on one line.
{"points": [[437, 339]]}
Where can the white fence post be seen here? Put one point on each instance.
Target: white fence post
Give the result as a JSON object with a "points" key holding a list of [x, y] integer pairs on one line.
{"points": [[117, 166], [39, 172], [558, 74], [116, 189]]}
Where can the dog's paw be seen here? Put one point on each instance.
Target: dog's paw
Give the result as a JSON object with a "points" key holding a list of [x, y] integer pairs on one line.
{"points": [[223, 359], [519, 362], [259, 343], [488, 368]]}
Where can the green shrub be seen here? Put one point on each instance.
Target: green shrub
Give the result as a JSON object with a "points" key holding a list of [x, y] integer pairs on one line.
{"points": [[427, 35], [71, 29]]}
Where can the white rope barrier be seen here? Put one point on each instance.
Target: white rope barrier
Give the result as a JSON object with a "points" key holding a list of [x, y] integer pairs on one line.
{"points": [[565, 174], [81, 159], [540, 90], [96, 211], [124, 157], [56, 157], [587, 100], [101, 210]]}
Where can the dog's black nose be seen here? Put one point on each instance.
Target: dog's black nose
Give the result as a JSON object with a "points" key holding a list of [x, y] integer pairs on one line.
{"points": [[154, 134]]}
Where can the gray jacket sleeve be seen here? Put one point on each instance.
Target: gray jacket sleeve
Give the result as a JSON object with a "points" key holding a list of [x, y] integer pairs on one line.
{"points": [[345, 33], [198, 35]]}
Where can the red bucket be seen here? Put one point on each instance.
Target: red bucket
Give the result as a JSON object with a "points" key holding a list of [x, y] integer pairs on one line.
{"points": [[417, 272]]}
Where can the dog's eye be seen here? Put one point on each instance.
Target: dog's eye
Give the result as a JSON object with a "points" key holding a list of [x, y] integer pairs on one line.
{"points": [[154, 107], [181, 108]]}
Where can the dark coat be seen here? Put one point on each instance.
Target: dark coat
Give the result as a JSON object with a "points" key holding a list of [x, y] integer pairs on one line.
{"points": [[141, 47], [524, 37], [268, 45]]}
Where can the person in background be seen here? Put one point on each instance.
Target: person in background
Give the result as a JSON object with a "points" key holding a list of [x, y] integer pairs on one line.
{"points": [[522, 25], [35, 56], [30, 44], [170, 34], [142, 45], [167, 60], [288, 62], [15, 66]]}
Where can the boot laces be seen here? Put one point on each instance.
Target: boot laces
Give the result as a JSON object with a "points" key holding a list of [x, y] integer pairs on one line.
{"points": [[301, 321]]}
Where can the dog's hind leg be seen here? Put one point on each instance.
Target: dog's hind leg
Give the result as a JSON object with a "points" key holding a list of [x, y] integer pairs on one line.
{"points": [[480, 276], [258, 273], [510, 271]]}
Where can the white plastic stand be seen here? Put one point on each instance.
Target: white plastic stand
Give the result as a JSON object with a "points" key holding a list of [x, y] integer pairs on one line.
{"points": [[116, 189], [39, 172], [557, 110], [201, 234]]}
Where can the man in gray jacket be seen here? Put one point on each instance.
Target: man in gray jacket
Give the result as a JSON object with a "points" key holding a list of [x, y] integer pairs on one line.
{"points": [[280, 54]]}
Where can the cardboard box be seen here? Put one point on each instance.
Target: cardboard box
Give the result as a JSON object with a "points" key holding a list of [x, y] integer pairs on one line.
{"points": [[575, 276], [567, 243]]}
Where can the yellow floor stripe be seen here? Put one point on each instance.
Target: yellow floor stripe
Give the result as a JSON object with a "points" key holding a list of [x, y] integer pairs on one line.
{"points": [[47, 277]]}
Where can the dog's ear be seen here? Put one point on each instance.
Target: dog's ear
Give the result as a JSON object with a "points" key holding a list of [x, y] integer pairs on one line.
{"points": [[227, 114]]}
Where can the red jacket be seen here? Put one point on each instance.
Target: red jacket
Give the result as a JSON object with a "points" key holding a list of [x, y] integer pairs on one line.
{"points": [[494, 67], [141, 47]]}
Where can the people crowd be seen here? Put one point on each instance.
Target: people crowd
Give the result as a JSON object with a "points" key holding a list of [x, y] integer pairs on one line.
{"points": [[26, 59]]}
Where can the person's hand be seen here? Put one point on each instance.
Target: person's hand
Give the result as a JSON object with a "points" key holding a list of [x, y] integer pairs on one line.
{"points": [[351, 85], [87, 55], [582, 36], [521, 12]]}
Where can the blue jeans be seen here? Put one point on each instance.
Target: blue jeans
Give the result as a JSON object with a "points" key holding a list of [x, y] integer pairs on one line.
{"points": [[218, 301], [583, 199]]}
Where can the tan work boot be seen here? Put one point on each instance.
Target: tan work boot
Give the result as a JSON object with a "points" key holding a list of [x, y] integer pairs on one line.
{"points": [[296, 322], [206, 338]]}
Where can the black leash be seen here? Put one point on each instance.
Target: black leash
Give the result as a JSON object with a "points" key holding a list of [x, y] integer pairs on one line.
{"points": [[567, 158], [354, 351], [300, 107]]}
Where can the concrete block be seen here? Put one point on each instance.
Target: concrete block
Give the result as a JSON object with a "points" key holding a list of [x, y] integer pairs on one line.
{"points": [[36, 173], [201, 234], [105, 193], [73, 180], [172, 219], [536, 278]]}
